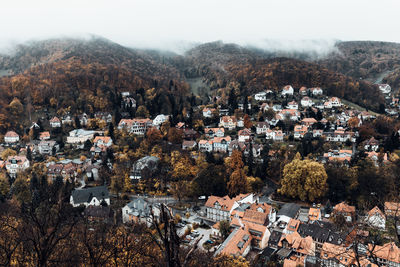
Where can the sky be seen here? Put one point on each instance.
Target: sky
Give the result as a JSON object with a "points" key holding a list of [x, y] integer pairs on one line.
{"points": [[178, 24]]}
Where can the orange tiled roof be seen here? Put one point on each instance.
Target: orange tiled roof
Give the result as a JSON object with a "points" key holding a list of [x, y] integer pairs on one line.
{"points": [[314, 214], [255, 216], [239, 243], [343, 207], [225, 202], [375, 210]]}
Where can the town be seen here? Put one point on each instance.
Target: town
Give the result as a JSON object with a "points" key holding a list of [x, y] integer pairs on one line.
{"points": [[125, 169]]}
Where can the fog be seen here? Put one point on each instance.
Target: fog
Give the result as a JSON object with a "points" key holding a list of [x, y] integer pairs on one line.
{"points": [[178, 25]]}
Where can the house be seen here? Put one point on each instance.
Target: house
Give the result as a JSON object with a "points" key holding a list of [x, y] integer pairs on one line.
{"points": [[299, 245], [308, 121], [92, 196], [214, 132], [320, 232], [385, 88], [11, 137], [287, 90], [259, 233], [300, 131], [102, 141], [335, 102], [220, 208], [291, 114], [189, 144], [79, 136], [343, 155], [371, 144], [377, 157], [205, 145], [306, 102], [244, 135], [392, 209], [208, 112], [262, 127], [292, 105], [66, 119], [136, 126], [317, 133], [261, 96], [238, 243], [221, 144], [54, 170], [348, 212], [303, 91], [276, 135], [376, 218], [105, 116], [287, 212], [144, 168], [314, 214], [316, 91], [44, 136], [140, 210], [386, 255], [190, 134], [160, 119], [47, 147], [340, 135], [292, 226], [229, 122], [15, 164], [327, 105], [336, 255], [55, 122]]}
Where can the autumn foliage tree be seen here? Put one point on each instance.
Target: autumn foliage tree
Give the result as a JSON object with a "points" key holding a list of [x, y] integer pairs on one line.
{"points": [[304, 179]]}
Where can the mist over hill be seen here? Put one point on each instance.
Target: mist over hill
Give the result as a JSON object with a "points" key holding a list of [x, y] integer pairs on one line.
{"points": [[345, 69]]}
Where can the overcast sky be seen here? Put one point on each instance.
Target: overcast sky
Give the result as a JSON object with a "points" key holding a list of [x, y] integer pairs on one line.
{"points": [[163, 23]]}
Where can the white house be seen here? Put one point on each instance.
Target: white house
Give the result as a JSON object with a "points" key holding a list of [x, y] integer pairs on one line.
{"points": [[79, 136], [221, 144], [214, 132], [335, 102], [261, 96], [15, 164], [385, 88], [316, 91], [293, 105], [92, 196], [262, 127], [306, 102], [208, 112], [55, 122], [205, 145], [160, 119], [244, 135], [287, 90], [136, 126], [102, 141], [300, 131], [376, 218], [11, 137], [276, 135]]}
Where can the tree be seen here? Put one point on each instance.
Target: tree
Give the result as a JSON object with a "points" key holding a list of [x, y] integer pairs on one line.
{"points": [[237, 183], [224, 228], [175, 135], [142, 112], [247, 121], [153, 136], [304, 179], [8, 152]]}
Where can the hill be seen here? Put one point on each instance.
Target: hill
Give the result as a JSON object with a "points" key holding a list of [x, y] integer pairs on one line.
{"points": [[225, 66], [364, 59]]}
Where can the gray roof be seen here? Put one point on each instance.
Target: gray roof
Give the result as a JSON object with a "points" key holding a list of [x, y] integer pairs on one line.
{"points": [[289, 210], [139, 207], [85, 195], [322, 232], [150, 162]]}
